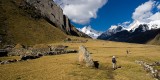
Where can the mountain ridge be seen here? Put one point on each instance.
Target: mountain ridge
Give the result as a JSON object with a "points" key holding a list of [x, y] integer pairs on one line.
{"points": [[137, 32]]}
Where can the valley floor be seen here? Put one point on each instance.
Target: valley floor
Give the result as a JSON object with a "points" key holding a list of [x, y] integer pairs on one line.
{"points": [[66, 66]]}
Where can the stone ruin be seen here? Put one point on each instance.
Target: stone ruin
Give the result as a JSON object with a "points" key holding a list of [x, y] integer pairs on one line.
{"points": [[33, 52], [59, 49], [8, 61], [150, 68], [85, 57], [23, 58], [42, 49]]}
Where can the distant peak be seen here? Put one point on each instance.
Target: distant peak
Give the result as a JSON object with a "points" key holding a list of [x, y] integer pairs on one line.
{"points": [[90, 32]]}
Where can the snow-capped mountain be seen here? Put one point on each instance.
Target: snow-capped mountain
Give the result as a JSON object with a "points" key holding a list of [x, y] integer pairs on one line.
{"points": [[134, 25], [112, 30], [90, 32], [154, 24], [151, 25], [137, 32]]}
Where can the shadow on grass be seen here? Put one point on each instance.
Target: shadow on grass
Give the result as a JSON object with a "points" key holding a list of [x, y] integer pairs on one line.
{"points": [[107, 71], [101, 71]]}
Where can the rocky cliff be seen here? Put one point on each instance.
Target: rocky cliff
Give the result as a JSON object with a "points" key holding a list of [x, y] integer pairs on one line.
{"points": [[33, 22], [54, 14]]}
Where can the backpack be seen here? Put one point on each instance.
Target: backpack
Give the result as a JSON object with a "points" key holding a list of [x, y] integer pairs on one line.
{"points": [[114, 60]]}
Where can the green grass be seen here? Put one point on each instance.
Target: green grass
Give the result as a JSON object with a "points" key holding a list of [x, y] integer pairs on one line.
{"points": [[66, 66]]}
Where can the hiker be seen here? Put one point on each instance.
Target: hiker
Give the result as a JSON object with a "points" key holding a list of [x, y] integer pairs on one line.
{"points": [[127, 51], [114, 62]]}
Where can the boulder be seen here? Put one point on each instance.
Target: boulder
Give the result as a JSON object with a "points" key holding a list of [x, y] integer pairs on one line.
{"points": [[85, 57]]}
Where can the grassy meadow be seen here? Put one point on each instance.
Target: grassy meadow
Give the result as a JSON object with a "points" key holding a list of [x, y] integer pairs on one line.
{"points": [[66, 66]]}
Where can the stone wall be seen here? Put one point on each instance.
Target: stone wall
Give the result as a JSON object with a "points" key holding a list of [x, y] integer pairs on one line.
{"points": [[149, 67]]}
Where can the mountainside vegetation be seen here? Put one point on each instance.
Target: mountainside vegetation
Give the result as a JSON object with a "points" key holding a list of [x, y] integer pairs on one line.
{"points": [[24, 24], [156, 40]]}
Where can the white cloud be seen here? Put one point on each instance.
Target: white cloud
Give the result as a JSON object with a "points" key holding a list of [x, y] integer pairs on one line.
{"points": [[124, 24], [144, 11], [81, 11], [156, 16]]}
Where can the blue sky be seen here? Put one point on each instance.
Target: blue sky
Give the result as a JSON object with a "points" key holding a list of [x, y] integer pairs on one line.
{"points": [[101, 14], [114, 12]]}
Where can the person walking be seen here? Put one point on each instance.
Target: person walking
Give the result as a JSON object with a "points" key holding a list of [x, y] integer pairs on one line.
{"points": [[114, 62], [127, 51]]}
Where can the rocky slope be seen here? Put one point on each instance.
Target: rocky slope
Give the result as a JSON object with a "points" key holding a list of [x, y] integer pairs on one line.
{"points": [[33, 21]]}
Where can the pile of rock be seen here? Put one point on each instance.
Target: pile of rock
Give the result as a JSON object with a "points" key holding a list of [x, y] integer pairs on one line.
{"points": [[17, 50], [42, 49], [8, 61], [150, 68], [60, 49], [34, 52], [23, 58], [84, 57]]}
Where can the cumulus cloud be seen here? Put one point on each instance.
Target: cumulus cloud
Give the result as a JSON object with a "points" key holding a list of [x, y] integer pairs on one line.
{"points": [[81, 11], [124, 24], [144, 11], [156, 16]]}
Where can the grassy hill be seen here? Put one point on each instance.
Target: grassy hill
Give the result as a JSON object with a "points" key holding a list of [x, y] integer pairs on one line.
{"points": [[156, 40], [19, 26], [66, 66]]}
